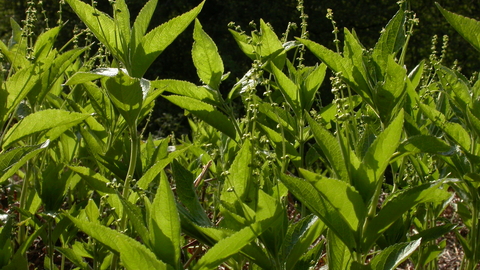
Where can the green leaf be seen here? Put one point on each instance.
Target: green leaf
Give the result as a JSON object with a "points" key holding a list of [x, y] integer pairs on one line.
{"points": [[121, 16], [154, 42], [38, 123], [188, 89], [164, 225], [466, 27], [233, 244], [393, 256], [331, 149], [135, 217], [270, 46], [142, 21], [370, 173], [44, 43], [299, 238], [454, 130], [133, 254], [424, 144], [338, 254], [289, 89], [187, 195], [345, 198], [396, 206], [238, 184], [95, 180], [391, 40], [458, 90], [127, 95], [206, 58], [11, 160], [353, 75], [74, 257], [205, 112], [18, 86], [310, 86], [321, 207], [389, 93], [101, 25]]}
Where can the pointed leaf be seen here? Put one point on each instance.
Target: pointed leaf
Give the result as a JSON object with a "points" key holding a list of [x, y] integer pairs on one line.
{"points": [[205, 112], [188, 89], [321, 207], [289, 89], [391, 40], [393, 256], [206, 58], [396, 207], [377, 158], [127, 94], [238, 184], [344, 197], [187, 195], [142, 21], [133, 254], [165, 225], [154, 42], [101, 25], [331, 149], [36, 123], [95, 180], [233, 244], [12, 160], [466, 27], [454, 130]]}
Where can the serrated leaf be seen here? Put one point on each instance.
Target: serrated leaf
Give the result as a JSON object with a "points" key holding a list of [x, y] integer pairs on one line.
{"points": [[36, 123], [424, 144], [238, 183], [338, 255], [95, 180], [391, 40], [13, 157], [454, 130], [187, 195], [206, 58], [127, 95], [331, 148], [466, 27], [299, 238], [132, 254], [13, 162], [391, 257], [377, 158], [345, 198], [311, 85], [233, 244], [44, 43], [188, 89], [154, 42], [396, 207], [327, 212], [164, 225], [101, 25], [205, 112], [142, 21], [289, 89]]}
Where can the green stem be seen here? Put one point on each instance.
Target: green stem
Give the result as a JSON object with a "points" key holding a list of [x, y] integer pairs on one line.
{"points": [[134, 143]]}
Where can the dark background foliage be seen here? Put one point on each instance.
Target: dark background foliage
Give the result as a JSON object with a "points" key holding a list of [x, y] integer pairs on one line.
{"points": [[367, 17]]}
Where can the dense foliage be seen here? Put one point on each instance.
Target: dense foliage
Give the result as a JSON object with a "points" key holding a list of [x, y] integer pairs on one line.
{"points": [[271, 176]]}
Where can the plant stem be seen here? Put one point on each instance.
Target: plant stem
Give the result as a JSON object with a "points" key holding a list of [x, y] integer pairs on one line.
{"points": [[134, 143]]}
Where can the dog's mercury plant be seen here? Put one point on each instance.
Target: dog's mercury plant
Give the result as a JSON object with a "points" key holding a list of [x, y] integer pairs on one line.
{"points": [[283, 183]]}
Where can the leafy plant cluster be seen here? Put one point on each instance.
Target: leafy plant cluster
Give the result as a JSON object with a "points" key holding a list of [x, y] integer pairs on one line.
{"points": [[288, 183]]}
